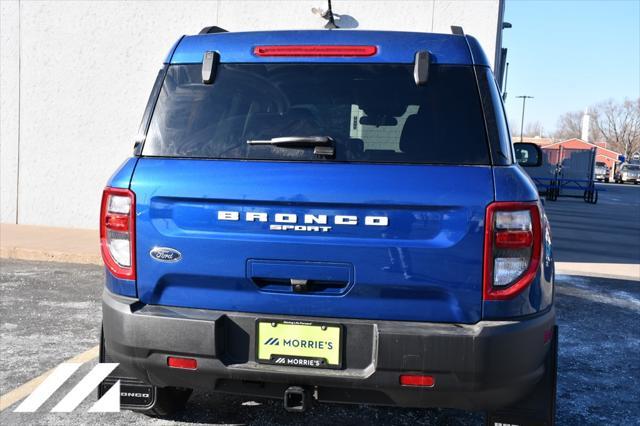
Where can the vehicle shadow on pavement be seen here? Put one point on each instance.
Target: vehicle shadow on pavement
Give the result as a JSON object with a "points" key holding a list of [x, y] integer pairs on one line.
{"points": [[207, 408]]}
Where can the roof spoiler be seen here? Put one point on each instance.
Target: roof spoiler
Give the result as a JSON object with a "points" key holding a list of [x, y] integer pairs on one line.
{"points": [[212, 30]]}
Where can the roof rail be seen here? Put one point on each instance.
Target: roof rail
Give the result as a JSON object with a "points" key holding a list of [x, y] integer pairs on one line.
{"points": [[212, 30], [457, 30]]}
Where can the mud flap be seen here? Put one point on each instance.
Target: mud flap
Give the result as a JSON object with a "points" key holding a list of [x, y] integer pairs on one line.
{"points": [[134, 393], [539, 408]]}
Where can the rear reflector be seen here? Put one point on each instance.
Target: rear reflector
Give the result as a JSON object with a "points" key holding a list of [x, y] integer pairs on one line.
{"points": [[185, 363], [316, 51], [417, 380]]}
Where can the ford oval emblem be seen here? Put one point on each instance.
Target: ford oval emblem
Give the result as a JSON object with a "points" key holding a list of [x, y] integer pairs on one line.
{"points": [[165, 254]]}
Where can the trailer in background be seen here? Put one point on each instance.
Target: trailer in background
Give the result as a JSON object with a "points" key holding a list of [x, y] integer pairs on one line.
{"points": [[566, 173]]}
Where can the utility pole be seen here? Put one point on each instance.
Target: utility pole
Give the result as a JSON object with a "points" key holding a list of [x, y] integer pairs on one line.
{"points": [[524, 101], [506, 78]]}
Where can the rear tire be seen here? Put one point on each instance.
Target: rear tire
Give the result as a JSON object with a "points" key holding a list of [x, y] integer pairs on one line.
{"points": [[168, 400]]}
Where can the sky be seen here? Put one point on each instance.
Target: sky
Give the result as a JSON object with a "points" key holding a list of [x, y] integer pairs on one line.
{"points": [[570, 54]]}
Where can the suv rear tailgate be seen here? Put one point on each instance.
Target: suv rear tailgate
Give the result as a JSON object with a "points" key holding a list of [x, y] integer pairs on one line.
{"points": [[425, 264]]}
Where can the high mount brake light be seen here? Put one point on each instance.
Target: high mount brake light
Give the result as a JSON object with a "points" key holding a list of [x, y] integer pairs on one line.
{"points": [[513, 240], [117, 232], [315, 51]]}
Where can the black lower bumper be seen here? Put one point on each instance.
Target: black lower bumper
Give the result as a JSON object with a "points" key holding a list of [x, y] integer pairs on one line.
{"points": [[486, 365]]}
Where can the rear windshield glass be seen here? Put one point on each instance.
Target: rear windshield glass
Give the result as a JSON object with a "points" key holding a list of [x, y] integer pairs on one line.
{"points": [[370, 112]]}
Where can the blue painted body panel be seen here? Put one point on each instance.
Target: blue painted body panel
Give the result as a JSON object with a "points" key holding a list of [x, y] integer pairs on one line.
{"points": [[425, 266], [167, 59], [119, 286], [478, 57], [122, 176], [514, 184], [393, 47]]}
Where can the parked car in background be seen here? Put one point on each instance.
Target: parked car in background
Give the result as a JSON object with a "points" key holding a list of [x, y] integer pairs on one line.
{"points": [[601, 172], [628, 173]]}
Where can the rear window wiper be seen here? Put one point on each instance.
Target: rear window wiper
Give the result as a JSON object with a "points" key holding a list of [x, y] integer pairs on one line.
{"points": [[323, 145]]}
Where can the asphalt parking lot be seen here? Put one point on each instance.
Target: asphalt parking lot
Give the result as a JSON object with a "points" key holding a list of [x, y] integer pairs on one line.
{"points": [[50, 312]]}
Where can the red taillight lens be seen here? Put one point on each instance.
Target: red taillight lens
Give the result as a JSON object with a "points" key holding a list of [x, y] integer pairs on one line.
{"points": [[117, 232], [116, 222], [185, 363], [513, 239], [417, 380], [512, 247], [315, 51]]}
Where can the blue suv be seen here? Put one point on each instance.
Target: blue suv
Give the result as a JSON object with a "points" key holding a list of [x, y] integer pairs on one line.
{"points": [[329, 216]]}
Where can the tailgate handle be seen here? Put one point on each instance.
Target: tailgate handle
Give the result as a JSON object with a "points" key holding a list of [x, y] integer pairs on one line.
{"points": [[299, 286], [300, 277]]}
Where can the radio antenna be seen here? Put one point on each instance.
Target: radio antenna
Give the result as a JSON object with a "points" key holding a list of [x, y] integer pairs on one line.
{"points": [[328, 15]]}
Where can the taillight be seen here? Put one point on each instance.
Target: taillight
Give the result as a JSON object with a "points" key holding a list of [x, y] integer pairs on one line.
{"points": [[117, 232], [512, 245]]}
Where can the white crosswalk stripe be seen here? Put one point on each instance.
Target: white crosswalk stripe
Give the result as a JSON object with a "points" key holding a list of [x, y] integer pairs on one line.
{"points": [[110, 401], [87, 385], [51, 384]]}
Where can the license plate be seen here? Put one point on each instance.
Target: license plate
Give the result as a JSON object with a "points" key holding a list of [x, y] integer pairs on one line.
{"points": [[299, 344]]}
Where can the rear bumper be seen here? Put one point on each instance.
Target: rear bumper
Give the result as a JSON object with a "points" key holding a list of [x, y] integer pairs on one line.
{"points": [[482, 366]]}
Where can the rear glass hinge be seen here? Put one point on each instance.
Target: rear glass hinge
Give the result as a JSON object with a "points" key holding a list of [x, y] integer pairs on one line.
{"points": [[209, 66], [326, 151], [421, 68]]}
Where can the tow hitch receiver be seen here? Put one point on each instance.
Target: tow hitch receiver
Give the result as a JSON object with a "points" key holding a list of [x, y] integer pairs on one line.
{"points": [[296, 399]]}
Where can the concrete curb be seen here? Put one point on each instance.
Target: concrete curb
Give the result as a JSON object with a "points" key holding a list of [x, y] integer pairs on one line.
{"points": [[623, 271], [48, 256], [44, 243]]}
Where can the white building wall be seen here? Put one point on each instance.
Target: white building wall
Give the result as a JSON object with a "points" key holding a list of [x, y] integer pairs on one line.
{"points": [[9, 104], [76, 76]]}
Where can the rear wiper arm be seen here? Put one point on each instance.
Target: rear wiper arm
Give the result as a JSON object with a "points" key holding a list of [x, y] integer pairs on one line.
{"points": [[323, 145]]}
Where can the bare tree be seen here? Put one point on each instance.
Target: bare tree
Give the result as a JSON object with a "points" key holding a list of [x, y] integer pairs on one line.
{"points": [[619, 124], [533, 129], [569, 125]]}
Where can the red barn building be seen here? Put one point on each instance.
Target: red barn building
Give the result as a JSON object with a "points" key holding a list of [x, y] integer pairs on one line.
{"points": [[607, 156]]}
